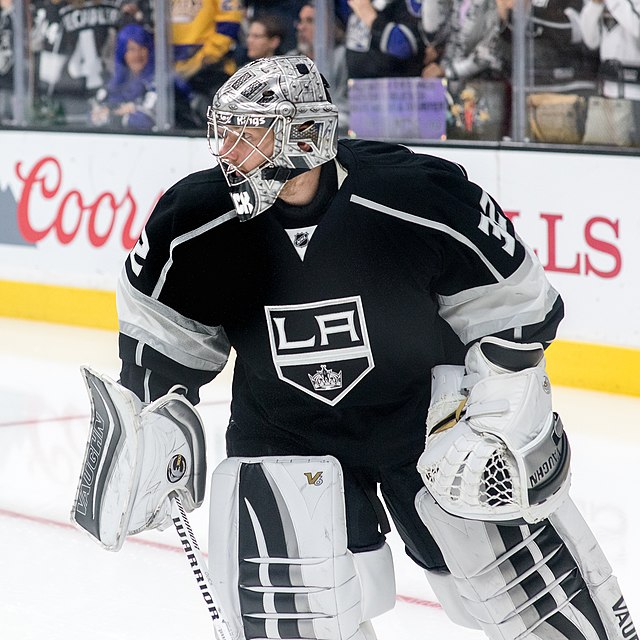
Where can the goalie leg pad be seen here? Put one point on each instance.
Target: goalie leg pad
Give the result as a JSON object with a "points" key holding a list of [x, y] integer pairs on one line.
{"points": [[544, 581], [135, 457], [278, 552], [443, 585]]}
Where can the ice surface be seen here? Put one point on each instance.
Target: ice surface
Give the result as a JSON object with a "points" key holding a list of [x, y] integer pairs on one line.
{"points": [[56, 583]]}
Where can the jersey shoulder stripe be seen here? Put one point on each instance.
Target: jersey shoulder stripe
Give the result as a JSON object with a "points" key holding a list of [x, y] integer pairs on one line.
{"points": [[191, 208]]}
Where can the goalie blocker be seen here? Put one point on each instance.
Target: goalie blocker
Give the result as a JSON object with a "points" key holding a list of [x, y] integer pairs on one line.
{"points": [[523, 562], [134, 459]]}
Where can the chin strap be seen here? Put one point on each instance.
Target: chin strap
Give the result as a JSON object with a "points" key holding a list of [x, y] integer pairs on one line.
{"points": [[282, 174]]}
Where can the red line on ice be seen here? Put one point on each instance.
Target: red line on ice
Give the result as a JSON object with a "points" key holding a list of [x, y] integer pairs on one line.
{"points": [[85, 416], [166, 547]]}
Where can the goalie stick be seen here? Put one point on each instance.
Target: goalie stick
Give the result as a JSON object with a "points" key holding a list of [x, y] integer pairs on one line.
{"points": [[198, 566]]}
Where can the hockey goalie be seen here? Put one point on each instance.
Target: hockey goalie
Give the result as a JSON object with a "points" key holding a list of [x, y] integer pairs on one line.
{"points": [[365, 290]]}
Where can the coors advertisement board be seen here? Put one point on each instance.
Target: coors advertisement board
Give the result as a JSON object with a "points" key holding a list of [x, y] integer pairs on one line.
{"points": [[73, 206]]}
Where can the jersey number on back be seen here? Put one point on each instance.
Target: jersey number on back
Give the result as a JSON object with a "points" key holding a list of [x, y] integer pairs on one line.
{"points": [[492, 221], [139, 253]]}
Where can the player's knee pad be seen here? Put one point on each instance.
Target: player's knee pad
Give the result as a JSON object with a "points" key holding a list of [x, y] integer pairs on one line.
{"points": [[543, 581], [135, 458], [278, 552]]}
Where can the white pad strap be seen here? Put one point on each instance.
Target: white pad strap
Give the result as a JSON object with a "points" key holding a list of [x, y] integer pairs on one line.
{"points": [[447, 396], [278, 551], [544, 581], [136, 457]]}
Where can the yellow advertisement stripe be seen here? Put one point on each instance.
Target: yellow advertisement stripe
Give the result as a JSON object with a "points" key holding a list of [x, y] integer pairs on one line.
{"points": [[594, 366], [62, 305], [571, 364]]}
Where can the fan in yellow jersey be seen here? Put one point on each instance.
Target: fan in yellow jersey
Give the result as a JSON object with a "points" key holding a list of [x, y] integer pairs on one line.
{"points": [[205, 33]]}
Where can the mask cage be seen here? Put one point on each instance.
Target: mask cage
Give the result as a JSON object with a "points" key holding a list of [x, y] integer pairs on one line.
{"points": [[222, 126]]}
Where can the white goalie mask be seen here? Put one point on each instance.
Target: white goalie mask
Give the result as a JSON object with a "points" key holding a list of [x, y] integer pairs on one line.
{"points": [[271, 121]]}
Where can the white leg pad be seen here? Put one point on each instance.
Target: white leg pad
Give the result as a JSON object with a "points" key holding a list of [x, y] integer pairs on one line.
{"points": [[447, 594], [544, 581], [377, 581], [594, 567], [278, 552]]}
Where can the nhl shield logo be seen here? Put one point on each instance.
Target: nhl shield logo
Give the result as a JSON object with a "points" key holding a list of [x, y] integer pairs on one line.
{"points": [[321, 348]]}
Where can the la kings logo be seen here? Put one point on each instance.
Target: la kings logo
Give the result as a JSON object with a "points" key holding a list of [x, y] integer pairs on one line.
{"points": [[321, 348]]}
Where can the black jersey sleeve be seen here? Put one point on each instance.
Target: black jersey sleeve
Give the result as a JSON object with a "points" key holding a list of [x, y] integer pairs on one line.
{"points": [[164, 340], [485, 279], [490, 282]]}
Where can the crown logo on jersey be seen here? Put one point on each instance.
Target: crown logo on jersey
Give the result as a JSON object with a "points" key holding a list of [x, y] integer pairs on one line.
{"points": [[326, 379]]}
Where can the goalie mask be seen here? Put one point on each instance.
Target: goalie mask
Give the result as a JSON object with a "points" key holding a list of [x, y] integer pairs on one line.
{"points": [[271, 121]]}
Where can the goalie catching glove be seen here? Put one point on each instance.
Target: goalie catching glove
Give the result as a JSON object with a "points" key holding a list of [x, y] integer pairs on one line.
{"points": [[495, 450], [135, 458]]}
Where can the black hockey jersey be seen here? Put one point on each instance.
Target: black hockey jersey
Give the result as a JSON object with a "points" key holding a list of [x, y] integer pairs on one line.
{"points": [[76, 43], [391, 47], [410, 263]]}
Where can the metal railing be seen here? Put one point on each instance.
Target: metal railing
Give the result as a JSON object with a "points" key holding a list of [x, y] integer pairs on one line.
{"points": [[24, 75]]}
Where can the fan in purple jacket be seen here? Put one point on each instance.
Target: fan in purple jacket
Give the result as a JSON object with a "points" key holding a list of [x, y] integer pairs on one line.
{"points": [[129, 100]]}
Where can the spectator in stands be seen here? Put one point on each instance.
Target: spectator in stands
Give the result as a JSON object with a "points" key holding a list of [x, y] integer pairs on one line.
{"points": [[73, 40], [561, 61], [138, 11], [305, 31], [305, 38], [472, 60], [264, 37], [384, 40], [205, 35], [129, 100], [471, 32], [435, 15], [263, 40], [286, 10], [614, 29], [6, 60]]}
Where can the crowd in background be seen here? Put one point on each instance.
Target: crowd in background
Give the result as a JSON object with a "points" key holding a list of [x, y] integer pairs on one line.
{"points": [[92, 62]]}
